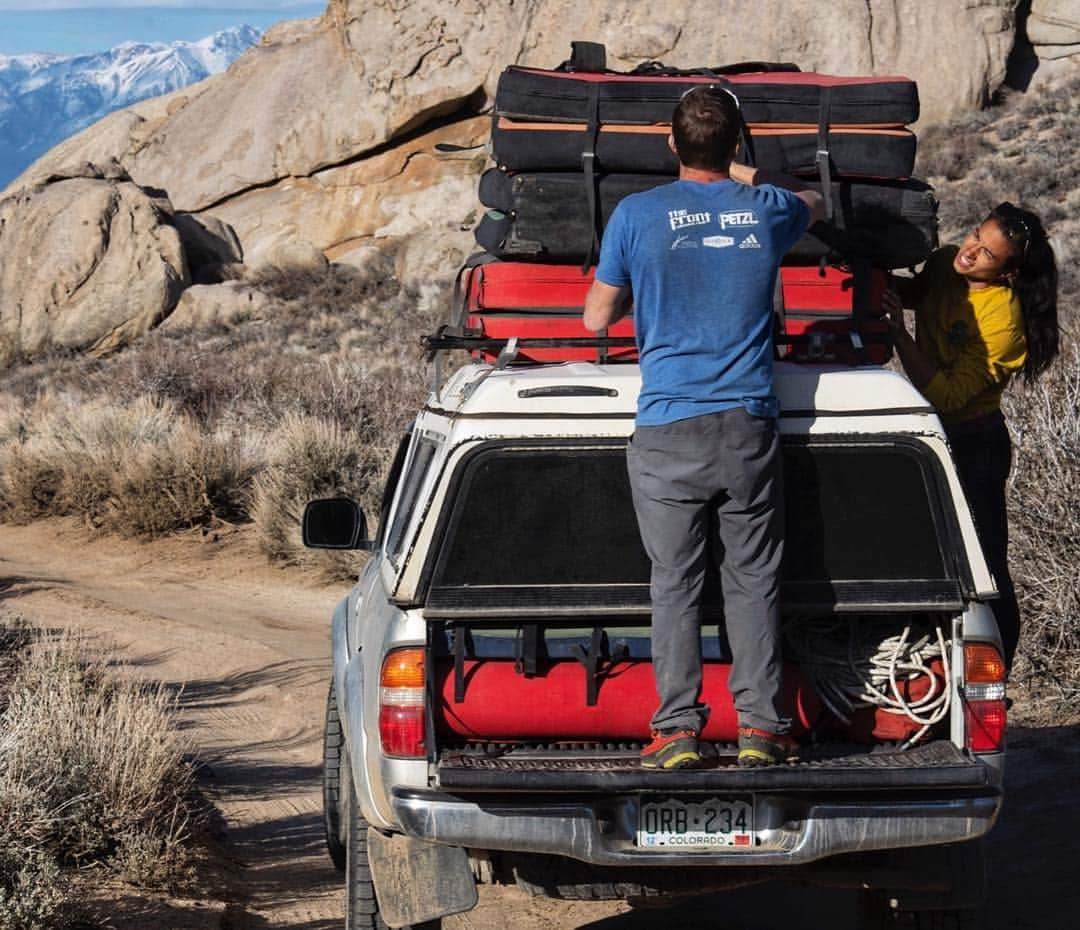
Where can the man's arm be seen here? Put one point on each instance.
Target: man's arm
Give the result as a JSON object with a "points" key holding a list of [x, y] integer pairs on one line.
{"points": [[751, 176], [604, 305]]}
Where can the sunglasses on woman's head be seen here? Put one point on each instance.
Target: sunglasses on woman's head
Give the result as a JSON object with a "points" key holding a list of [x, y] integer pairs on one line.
{"points": [[1012, 221]]}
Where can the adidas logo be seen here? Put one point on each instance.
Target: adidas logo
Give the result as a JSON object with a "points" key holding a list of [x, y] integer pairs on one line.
{"points": [[750, 242]]}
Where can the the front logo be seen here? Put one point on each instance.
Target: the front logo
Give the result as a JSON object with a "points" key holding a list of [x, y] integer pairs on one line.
{"points": [[750, 242], [680, 219], [737, 218], [717, 242]]}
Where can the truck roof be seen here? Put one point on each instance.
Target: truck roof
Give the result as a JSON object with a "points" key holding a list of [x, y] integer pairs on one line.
{"points": [[610, 391]]}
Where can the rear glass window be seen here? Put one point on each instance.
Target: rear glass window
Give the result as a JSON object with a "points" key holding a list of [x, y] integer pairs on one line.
{"points": [[541, 517], [415, 475], [545, 518]]}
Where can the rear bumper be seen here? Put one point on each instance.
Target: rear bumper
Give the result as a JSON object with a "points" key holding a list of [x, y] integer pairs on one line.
{"points": [[791, 829]]}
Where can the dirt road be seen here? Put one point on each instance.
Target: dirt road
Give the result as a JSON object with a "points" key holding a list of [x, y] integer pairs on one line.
{"points": [[249, 646]]}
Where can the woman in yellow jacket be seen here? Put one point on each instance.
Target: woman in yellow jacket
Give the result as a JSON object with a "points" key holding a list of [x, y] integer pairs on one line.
{"points": [[985, 310]]}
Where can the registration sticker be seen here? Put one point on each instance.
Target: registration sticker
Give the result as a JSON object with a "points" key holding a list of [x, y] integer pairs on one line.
{"points": [[695, 823]]}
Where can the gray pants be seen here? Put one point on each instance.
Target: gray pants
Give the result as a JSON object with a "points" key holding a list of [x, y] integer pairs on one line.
{"points": [[719, 472]]}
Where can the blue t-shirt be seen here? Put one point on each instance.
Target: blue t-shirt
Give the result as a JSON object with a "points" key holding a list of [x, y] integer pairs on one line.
{"points": [[701, 260]]}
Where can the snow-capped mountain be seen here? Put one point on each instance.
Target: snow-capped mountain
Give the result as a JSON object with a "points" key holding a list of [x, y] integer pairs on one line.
{"points": [[46, 98]]}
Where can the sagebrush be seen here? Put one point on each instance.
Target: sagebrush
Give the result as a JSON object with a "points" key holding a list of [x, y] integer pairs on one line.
{"points": [[231, 424], [92, 775]]}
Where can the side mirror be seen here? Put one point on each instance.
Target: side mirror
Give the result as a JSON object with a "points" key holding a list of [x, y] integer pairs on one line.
{"points": [[335, 523]]}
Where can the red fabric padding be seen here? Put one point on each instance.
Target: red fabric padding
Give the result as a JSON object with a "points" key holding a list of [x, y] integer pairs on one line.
{"points": [[507, 299], [523, 286], [871, 724], [501, 704], [831, 289], [749, 77]]}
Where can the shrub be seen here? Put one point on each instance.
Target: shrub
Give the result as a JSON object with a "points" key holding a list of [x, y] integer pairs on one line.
{"points": [[1044, 519], [311, 458], [91, 773], [100, 749], [170, 432], [32, 892]]}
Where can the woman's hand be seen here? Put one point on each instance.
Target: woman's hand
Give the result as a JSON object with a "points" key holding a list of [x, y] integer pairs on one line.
{"points": [[893, 310]]}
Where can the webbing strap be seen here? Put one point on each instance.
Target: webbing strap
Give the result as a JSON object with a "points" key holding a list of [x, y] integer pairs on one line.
{"points": [[822, 159], [590, 660], [746, 140], [463, 285], [459, 663], [862, 276], [779, 313], [588, 167], [528, 658]]}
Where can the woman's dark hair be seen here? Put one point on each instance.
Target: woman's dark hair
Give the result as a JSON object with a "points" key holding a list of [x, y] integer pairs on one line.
{"points": [[1033, 271], [705, 127]]}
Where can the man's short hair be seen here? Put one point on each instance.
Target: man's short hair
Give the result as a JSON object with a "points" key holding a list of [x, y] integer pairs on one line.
{"points": [[705, 127]]}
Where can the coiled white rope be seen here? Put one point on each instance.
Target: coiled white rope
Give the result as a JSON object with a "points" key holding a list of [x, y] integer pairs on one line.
{"points": [[859, 662]]}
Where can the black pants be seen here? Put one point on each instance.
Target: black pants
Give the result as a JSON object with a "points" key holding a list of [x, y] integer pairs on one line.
{"points": [[983, 456]]}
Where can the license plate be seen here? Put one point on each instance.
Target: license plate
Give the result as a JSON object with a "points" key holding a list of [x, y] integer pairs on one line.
{"points": [[695, 823]]}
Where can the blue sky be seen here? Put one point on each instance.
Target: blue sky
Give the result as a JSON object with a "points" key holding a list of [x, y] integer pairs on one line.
{"points": [[58, 27], [176, 4]]}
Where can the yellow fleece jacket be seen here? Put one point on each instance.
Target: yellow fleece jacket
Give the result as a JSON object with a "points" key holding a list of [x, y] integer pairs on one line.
{"points": [[975, 339]]}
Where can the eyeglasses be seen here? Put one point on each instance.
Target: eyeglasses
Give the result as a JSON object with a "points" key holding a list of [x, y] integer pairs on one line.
{"points": [[1011, 219]]}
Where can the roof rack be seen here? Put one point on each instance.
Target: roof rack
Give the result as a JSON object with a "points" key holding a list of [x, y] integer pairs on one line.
{"points": [[448, 338]]}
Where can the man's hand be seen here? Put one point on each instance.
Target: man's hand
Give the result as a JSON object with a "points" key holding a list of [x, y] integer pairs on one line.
{"points": [[815, 203], [605, 305]]}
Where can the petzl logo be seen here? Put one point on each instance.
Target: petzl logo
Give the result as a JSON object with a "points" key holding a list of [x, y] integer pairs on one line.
{"points": [[717, 242], [737, 218], [750, 242]]}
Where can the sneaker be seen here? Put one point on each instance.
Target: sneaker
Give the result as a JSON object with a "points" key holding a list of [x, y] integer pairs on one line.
{"points": [[671, 749], [759, 747]]}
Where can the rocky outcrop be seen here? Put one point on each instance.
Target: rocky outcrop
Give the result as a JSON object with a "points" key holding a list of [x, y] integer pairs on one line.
{"points": [[87, 261], [411, 194], [1054, 23], [1053, 28], [205, 306], [323, 137], [210, 246]]}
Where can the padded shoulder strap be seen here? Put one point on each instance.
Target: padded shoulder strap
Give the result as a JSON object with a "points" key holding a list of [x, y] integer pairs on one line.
{"points": [[585, 56]]}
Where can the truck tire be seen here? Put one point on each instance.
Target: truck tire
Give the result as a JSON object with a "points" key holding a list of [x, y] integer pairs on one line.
{"points": [[361, 902], [876, 914], [333, 744]]}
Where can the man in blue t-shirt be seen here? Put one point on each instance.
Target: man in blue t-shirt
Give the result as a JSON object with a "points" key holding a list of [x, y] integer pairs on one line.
{"points": [[698, 259]]}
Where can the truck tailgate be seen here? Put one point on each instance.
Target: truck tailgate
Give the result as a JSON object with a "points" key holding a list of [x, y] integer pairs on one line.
{"points": [[935, 765]]}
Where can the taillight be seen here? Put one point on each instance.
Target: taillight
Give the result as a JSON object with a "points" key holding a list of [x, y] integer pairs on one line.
{"points": [[401, 704], [984, 697]]}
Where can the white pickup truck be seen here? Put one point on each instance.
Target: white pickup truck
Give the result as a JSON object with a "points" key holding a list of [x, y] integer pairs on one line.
{"points": [[492, 678]]}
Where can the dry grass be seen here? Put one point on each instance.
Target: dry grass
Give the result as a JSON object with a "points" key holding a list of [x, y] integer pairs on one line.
{"points": [[311, 458], [91, 775], [141, 469], [172, 432], [1024, 150]]}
